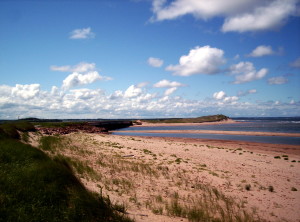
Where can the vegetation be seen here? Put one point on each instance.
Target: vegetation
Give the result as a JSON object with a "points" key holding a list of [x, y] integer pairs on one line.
{"points": [[271, 188], [248, 187], [35, 187], [59, 124], [12, 129], [212, 118]]}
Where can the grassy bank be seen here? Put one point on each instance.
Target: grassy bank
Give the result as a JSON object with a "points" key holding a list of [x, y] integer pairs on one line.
{"points": [[35, 187]]}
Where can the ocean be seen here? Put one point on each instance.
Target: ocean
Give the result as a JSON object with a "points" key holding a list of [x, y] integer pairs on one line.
{"points": [[262, 124]]}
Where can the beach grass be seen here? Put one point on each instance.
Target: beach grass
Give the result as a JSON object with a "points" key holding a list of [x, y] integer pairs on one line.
{"points": [[36, 187]]}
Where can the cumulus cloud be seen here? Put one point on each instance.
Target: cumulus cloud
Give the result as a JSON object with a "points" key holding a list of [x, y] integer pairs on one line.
{"points": [[76, 79], [264, 50], [269, 16], [85, 33], [85, 93], [261, 50], [200, 60], [117, 94], [246, 72], [132, 91], [83, 73], [166, 84], [155, 62], [296, 63], [81, 67], [241, 16], [199, 9], [5, 90], [138, 103], [279, 80], [26, 91], [219, 95], [172, 86], [231, 99]]}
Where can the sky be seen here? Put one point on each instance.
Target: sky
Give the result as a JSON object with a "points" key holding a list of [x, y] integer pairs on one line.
{"points": [[149, 58]]}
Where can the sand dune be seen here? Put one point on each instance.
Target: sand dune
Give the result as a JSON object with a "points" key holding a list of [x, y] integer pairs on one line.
{"points": [[149, 175]]}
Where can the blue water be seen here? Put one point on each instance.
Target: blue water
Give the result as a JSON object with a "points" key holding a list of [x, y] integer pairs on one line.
{"points": [[282, 125]]}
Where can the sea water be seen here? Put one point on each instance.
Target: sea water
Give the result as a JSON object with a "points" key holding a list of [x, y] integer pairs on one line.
{"points": [[271, 124]]}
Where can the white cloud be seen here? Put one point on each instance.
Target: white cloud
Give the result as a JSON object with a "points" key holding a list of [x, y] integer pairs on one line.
{"points": [[222, 98], [155, 62], [86, 94], [54, 90], [81, 67], [200, 60], [231, 99], [85, 33], [241, 16], [219, 95], [5, 90], [83, 73], [76, 79], [172, 86], [279, 80], [246, 72], [199, 9], [261, 50], [26, 91], [296, 63], [138, 103], [132, 91], [271, 15], [170, 91], [166, 84]]}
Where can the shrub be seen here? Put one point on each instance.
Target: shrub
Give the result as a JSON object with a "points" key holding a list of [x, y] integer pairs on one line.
{"points": [[248, 187], [271, 188], [294, 189]]}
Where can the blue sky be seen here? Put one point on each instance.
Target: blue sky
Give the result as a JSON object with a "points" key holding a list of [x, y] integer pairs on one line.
{"points": [[149, 58]]}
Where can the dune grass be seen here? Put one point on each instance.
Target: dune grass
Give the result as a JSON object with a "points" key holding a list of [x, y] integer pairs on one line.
{"points": [[35, 187]]}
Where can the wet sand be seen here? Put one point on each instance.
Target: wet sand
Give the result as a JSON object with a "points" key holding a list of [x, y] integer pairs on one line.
{"points": [[216, 132]]}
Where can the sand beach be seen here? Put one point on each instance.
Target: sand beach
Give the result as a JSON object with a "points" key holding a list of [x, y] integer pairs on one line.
{"points": [[172, 179]]}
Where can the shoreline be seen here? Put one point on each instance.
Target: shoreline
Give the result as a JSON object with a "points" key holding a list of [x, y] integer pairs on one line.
{"points": [[147, 124], [252, 146], [247, 133]]}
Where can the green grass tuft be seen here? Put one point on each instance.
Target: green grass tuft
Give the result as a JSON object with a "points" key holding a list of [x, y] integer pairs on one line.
{"points": [[36, 188]]}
